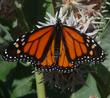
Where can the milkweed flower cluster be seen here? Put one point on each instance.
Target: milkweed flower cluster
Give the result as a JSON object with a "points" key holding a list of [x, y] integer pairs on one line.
{"points": [[85, 18]]}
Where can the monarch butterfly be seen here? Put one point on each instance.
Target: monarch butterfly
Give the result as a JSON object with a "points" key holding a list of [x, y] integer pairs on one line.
{"points": [[55, 48]]}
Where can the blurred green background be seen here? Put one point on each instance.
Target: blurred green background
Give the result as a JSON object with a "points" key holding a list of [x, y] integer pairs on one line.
{"points": [[16, 79]]}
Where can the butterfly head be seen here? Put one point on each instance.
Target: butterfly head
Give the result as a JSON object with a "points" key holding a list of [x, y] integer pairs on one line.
{"points": [[58, 21]]}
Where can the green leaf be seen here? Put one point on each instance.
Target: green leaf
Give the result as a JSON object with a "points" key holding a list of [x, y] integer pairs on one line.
{"points": [[103, 71], [90, 89], [50, 7], [102, 77], [4, 91], [106, 45], [5, 29], [23, 86], [5, 68]]}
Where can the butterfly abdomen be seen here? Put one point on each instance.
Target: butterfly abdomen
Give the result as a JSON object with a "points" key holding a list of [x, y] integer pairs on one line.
{"points": [[58, 33]]}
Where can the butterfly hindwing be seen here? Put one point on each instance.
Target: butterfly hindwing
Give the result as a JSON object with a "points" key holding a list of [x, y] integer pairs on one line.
{"points": [[95, 53]]}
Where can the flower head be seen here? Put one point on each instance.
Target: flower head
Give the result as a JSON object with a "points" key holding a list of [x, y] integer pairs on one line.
{"points": [[83, 18]]}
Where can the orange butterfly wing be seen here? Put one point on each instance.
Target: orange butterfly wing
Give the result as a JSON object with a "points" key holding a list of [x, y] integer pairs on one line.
{"points": [[39, 49], [80, 48], [31, 45], [70, 48], [37, 42]]}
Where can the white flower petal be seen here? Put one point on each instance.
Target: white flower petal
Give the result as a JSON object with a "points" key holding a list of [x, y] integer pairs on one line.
{"points": [[58, 14], [38, 26], [92, 33], [95, 22], [86, 25], [108, 3], [43, 24], [50, 16]]}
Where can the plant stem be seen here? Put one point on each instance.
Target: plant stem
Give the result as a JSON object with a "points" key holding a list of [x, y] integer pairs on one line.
{"points": [[40, 88]]}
